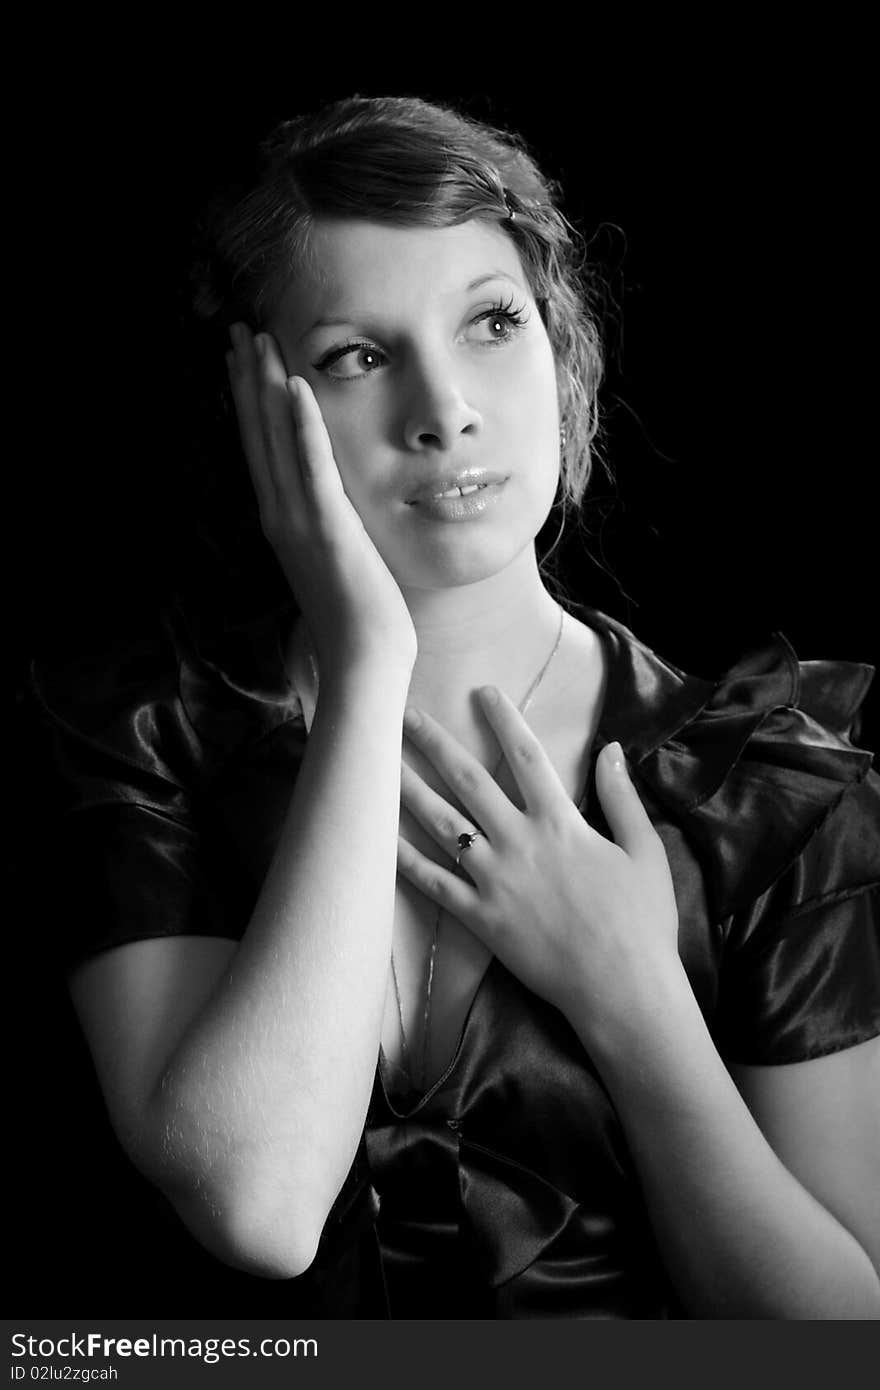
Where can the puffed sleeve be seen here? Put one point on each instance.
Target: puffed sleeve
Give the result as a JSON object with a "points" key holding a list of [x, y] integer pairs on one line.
{"points": [[139, 752], [780, 811], [801, 971]]}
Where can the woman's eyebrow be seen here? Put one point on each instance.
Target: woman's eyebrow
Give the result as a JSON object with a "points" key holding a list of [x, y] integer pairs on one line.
{"points": [[338, 320], [494, 275]]}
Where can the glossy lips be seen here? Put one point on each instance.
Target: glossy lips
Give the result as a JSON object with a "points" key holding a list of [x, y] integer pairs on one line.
{"points": [[460, 496]]}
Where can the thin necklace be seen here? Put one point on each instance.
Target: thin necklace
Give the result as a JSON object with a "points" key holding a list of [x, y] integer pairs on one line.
{"points": [[435, 934]]}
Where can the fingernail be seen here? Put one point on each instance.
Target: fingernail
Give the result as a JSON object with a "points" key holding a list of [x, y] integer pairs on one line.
{"points": [[615, 754], [292, 387], [260, 345], [490, 694], [412, 718]]}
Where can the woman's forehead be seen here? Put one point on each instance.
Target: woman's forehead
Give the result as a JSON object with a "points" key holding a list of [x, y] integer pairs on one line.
{"points": [[360, 267]]}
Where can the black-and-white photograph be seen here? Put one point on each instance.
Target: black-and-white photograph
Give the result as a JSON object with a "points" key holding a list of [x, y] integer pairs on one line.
{"points": [[450, 842]]}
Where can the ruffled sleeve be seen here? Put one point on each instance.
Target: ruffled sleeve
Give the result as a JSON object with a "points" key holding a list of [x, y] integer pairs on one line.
{"points": [[801, 971], [760, 789], [134, 750]]}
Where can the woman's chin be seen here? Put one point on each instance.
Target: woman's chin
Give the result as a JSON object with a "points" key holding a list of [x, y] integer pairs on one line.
{"points": [[455, 566]]}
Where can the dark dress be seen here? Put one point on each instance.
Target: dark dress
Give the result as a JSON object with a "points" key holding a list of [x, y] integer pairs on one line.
{"points": [[507, 1190]]}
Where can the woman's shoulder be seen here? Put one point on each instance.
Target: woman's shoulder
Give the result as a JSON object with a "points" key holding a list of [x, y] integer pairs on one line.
{"points": [[109, 709], [752, 763], [171, 694], [167, 706]]}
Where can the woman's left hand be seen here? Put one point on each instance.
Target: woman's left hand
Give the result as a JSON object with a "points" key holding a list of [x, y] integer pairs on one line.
{"points": [[589, 924]]}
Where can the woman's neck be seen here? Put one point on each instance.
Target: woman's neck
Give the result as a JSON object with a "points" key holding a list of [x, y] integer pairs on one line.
{"points": [[498, 631]]}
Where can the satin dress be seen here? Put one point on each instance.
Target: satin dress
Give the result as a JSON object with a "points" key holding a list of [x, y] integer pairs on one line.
{"points": [[506, 1190]]}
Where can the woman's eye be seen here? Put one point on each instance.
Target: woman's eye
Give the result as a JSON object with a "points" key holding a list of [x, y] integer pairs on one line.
{"points": [[499, 324], [351, 362]]}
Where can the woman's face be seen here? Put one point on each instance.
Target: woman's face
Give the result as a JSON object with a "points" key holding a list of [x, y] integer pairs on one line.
{"points": [[434, 373]]}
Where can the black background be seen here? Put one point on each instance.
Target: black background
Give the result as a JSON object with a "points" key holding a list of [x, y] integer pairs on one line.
{"points": [[727, 205], [724, 187]]}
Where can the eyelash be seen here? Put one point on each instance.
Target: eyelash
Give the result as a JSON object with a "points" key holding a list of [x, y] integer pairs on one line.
{"points": [[516, 319]]}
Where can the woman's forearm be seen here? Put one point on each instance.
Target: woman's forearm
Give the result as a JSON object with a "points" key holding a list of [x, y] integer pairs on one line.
{"points": [[262, 1105], [739, 1235]]}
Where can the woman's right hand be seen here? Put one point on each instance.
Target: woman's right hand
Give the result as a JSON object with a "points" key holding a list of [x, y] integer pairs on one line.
{"points": [[351, 603]]}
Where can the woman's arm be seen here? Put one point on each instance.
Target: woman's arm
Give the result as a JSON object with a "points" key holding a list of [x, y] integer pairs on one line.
{"points": [[261, 1108], [248, 1109], [748, 1228]]}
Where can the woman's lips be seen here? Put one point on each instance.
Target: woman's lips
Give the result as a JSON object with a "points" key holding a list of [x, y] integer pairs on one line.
{"points": [[459, 498]]}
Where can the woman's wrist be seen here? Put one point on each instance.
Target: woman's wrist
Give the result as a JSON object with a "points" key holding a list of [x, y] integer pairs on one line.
{"points": [[353, 675], [643, 1029]]}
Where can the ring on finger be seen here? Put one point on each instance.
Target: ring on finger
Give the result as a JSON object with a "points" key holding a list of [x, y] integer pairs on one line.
{"points": [[464, 843]]}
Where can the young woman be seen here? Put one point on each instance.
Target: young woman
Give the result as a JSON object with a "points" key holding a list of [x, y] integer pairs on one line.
{"points": [[447, 948]]}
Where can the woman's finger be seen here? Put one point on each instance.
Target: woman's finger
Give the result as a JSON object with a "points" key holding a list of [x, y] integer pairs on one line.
{"points": [[443, 887], [533, 771], [463, 774], [320, 476], [442, 822], [244, 383], [627, 818], [278, 425]]}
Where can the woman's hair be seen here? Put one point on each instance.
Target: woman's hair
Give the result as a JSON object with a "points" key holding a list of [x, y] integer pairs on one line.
{"points": [[410, 163]]}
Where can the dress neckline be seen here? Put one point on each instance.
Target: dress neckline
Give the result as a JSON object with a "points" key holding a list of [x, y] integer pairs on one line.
{"points": [[414, 1101]]}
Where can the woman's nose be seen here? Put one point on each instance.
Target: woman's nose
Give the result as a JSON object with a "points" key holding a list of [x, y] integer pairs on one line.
{"points": [[438, 411]]}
